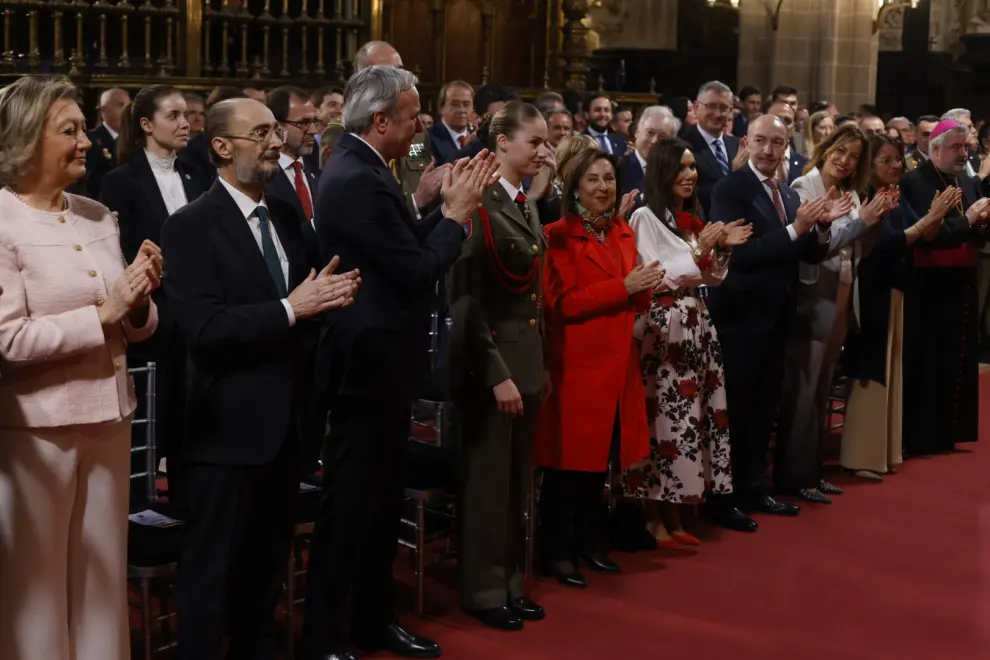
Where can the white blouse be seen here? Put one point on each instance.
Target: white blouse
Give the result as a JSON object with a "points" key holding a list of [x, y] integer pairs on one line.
{"points": [[655, 241], [169, 181]]}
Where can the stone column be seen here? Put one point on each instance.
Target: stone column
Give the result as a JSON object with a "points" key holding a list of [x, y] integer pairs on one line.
{"points": [[824, 48]]}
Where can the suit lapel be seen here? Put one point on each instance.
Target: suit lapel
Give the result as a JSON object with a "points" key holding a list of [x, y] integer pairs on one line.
{"points": [[148, 186], [234, 224], [499, 198], [289, 233], [189, 183], [282, 188], [791, 202]]}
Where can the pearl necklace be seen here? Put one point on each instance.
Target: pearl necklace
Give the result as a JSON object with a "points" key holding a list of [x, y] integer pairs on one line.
{"points": [[65, 202]]}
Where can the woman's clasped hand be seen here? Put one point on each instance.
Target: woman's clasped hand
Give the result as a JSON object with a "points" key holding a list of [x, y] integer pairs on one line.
{"points": [[644, 277], [132, 289]]}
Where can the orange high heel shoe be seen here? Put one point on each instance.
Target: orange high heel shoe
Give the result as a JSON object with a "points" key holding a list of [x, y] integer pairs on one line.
{"points": [[685, 539]]}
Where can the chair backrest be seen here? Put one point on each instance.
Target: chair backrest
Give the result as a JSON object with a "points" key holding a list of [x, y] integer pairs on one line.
{"points": [[146, 424]]}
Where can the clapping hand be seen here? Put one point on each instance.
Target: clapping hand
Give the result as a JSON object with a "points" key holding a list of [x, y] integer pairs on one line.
{"points": [[742, 156], [809, 213], [465, 183], [709, 236], [627, 203], [836, 205], [429, 184], [644, 277], [877, 207], [735, 234], [323, 291], [979, 211]]}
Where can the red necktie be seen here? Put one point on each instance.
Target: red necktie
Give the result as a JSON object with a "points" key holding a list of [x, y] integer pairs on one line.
{"points": [[777, 201], [302, 191], [461, 140]]}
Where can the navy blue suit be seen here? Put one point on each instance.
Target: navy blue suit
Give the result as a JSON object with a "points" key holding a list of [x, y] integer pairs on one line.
{"points": [[371, 358], [442, 144], [619, 144], [100, 159], [633, 177], [795, 166], [709, 172], [753, 311]]}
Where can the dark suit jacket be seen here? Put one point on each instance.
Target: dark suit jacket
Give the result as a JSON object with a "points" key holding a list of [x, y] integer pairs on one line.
{"points": [[442, 143], [131, 191], [740, 125], [378, 345], [795, 166], [759, 294], [281, 187], [100, 159], [633, 177], [196, 156], [619, 144], [470, 150], [709, 172], [247, 366]]}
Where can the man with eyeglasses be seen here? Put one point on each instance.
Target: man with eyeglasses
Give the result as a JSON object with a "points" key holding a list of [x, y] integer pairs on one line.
{"points": [[244, 290], [716, 153], [299, 175]]}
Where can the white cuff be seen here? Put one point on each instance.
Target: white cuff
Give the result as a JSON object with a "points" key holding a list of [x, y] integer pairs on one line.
{"points": [[289, 312], [419, 216], [792, 232]]}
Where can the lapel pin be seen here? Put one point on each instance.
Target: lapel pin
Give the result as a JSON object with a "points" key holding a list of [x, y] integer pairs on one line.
{"points": [[106, 154], [188, 178], [495, 194]]}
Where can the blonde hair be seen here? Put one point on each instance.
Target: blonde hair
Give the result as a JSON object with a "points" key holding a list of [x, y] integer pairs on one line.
{"points": [[24, 107]]}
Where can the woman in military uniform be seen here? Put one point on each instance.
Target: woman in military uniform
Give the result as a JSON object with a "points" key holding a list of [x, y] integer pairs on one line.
{"points": [[497, 378]]}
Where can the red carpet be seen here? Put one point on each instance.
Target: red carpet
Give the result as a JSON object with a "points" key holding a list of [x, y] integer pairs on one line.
{"points": [[890, 571]]}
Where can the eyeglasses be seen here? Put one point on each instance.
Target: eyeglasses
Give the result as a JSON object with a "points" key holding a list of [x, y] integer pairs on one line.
{"points": [[718, 108], [305, 124], [890, 162], [261, 135]]}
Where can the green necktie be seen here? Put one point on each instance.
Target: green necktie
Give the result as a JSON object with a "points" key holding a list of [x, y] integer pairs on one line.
{"points": [[269, 252]]}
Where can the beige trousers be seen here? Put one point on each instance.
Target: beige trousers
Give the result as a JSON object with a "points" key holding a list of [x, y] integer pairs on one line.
{"points": [[63, 542]]}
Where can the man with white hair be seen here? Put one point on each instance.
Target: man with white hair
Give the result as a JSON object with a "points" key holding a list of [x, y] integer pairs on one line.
{"points": [[372, 356], [656, 122], [941, 323], [716, 153], [964, 118], [102, 156]]}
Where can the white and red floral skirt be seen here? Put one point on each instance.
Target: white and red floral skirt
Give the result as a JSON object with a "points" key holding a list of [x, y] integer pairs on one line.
{"points": [[681, 363]]}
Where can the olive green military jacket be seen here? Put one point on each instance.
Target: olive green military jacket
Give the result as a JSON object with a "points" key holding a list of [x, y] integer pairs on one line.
{"points": [[495, 297]]}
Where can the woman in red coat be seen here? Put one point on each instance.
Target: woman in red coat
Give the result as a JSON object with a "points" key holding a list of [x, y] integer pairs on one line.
{"points": [[592, 291]]}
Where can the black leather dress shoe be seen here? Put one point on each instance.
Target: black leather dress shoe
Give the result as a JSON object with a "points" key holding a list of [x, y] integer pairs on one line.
{"points": [[600, 563], [566, 574], [527, 609], [395, 639], [829, 488], [732, 518], [772, 507], [813, 496], [500, 618]]}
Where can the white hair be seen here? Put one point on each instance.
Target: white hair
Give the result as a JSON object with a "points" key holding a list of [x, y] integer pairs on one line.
{"points": [[942, 137], [371, 90], [662, 111], [715, 87], [958, 115], [108, 94]]}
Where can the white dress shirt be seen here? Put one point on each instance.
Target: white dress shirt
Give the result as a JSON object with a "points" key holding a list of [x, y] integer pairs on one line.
{"points": [[509, 188], [248, 207], [822, 235], [169, 181], [113, 133], [641, 160]]}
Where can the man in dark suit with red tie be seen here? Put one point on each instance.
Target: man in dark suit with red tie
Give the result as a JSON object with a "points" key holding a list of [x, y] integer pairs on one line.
{"points": [[754, 307], [243, 287], [453, 131], [372, 356]]}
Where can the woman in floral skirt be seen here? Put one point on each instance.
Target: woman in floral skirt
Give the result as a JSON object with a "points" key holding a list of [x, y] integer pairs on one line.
{"points": [[681, 358]]}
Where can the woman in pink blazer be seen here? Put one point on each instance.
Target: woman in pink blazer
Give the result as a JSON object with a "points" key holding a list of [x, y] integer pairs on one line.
{"points": [[68, 309]]}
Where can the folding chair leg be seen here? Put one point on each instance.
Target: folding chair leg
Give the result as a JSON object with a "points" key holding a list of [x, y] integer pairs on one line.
{"points": [[290, 604], [146, 615], [420, 554]]}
